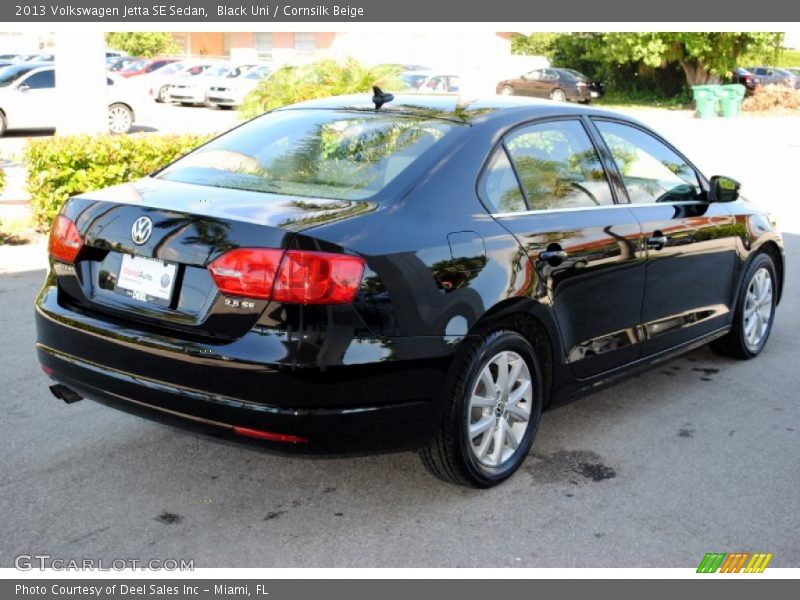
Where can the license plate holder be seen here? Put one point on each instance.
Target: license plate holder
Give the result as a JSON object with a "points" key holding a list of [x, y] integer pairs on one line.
{"points": [[146, 279]]}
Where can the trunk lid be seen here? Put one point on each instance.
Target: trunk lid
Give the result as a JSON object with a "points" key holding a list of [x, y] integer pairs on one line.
{"points": [[163, 280]]}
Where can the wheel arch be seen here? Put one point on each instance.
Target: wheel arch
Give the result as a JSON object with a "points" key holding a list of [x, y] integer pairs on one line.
{"points": [[773, 250], [537, 325]]}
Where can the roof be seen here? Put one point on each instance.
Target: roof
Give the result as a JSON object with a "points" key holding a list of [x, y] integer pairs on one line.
{"points": [[451, 106]]}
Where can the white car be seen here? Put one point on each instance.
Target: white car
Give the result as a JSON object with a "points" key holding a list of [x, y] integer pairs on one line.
{"points": [[29, 101], [157, 82], [230, 92], [194, 89]]}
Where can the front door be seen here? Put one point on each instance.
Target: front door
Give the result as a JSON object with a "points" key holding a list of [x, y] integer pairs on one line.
{"points": [[690, 241]]}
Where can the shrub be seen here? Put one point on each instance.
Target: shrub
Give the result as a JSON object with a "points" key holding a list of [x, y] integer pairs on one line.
{"points": [[2, 180], [773, 99], [64, 166], [320, 79]]}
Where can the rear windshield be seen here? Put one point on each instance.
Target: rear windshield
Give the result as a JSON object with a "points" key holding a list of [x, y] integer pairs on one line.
{"points": [[320, 153]]}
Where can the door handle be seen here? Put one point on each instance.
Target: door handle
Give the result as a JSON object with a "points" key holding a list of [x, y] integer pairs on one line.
{"points": [[553, 257], [657, 241]]}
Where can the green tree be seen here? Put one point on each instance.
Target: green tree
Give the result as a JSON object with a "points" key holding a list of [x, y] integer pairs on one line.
{"points": [[141, 43], [705, 57], [536, 44], [323, 78]]}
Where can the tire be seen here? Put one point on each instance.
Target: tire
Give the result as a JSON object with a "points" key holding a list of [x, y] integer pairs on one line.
{"points": [[3, 124], [507, 90], [754, 313], [477, 459], [558, 95], [161, 96], [120, 118]]}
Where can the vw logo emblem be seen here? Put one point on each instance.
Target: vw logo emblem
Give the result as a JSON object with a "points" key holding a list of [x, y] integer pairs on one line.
{"points": [[141, 230]]}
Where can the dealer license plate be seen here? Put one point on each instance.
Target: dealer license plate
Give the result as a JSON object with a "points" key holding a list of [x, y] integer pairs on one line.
{"points": [[146, 278]]}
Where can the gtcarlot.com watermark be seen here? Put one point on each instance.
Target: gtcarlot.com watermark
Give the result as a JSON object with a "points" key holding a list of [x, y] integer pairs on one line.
{"points": [[44, 562]]}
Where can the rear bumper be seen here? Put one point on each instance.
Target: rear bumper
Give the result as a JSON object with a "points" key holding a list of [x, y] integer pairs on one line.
{"points": [[380, 403]]}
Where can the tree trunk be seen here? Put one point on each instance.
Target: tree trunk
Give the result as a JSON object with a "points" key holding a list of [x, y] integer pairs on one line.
{"points": [[697, 73]]}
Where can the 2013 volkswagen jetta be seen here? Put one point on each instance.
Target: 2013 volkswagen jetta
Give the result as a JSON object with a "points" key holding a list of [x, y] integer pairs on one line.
{"points": [[427, 274]]}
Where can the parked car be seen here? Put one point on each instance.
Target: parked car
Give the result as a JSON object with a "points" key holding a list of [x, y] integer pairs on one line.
{"points": [[775, 76], [158, 82], [557, 84], [28, 101], [746, 78], [231, 91], [440, 84], [794, 71], [332, 276], [117, 64], [412, 80], [145, 66], [195, 90], [38, 57]]}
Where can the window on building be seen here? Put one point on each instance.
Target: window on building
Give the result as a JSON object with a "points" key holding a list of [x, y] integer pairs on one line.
{"points": [[262, 42], [304, 41]]}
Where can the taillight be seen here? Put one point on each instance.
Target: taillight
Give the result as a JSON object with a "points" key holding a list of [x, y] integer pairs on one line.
{"points": [[295, 277], [318, 278], [65, 241], [246, 272]]}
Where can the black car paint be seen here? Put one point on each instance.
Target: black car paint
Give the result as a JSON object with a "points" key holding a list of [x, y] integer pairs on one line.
{"points": [[440, 267]]}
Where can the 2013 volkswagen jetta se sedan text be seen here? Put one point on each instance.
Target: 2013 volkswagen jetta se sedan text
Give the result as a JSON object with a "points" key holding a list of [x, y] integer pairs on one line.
{"points": [[429, 274]]}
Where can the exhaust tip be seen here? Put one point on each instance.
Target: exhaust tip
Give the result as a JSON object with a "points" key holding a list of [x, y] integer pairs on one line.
{"points": [[62, 392]]}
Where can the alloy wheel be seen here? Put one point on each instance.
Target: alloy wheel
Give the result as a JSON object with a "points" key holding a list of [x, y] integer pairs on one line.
{"points": [[757, 312], [499, 411]]}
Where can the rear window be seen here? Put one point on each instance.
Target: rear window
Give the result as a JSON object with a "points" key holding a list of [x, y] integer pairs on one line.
{"points": [[319, 153]]}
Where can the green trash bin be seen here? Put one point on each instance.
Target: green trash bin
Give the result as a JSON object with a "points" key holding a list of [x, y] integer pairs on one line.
{"points": [[706, 100], [731, 99]]}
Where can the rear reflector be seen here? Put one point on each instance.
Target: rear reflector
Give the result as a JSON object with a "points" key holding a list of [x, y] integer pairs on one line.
{"points": [[65, 241], [47, 370], [294, 276], [269, 435]]}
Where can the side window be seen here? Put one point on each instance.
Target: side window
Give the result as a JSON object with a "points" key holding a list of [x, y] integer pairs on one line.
{"points": [[558, 166], [41, 80], [534, 75], [651, 171], [499, 186]]}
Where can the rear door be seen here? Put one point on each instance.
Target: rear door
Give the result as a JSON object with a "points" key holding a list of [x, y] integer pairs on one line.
{"points": [[584, 255], [690, 241]]}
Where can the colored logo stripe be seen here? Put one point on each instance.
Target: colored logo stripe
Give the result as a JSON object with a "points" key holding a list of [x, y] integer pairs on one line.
{"points": [[711, 562], [734, 563]]}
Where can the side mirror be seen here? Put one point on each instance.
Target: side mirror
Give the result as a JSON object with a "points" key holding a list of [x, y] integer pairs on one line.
{"points": [[724, 189], [23, 88]]}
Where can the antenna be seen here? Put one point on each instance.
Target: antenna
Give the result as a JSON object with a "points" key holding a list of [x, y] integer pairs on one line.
{"points": [[380, 97]]}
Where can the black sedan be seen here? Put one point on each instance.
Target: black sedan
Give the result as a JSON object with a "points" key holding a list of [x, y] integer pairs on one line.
{"points": [[430, 274], [557, 84]]}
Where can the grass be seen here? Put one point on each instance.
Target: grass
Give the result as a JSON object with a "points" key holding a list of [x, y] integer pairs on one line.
{"points": [[645, 100]]}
